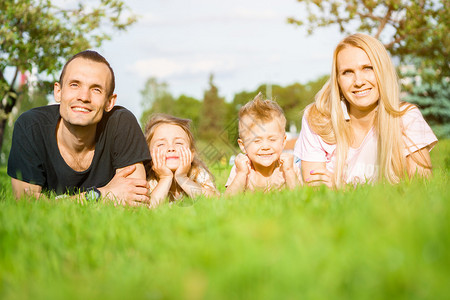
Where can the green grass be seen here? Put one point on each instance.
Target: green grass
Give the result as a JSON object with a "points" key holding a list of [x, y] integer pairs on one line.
{"points": [[374, 242]]}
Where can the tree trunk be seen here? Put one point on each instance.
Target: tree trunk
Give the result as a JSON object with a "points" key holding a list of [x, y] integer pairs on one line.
{"points": [[2, 130]]}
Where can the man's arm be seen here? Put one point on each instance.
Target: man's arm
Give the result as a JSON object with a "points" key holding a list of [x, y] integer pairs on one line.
{"points": [[139, 173], [128, 186], [20, 188]]}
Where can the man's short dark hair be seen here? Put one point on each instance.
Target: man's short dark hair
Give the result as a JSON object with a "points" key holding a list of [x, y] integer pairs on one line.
{"points": [[94, 56]]}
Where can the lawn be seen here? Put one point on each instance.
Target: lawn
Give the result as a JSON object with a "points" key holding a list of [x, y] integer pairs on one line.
{"points": [[372, 242]]}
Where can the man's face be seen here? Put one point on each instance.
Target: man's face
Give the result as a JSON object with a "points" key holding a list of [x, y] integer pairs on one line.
{"points": [[263, 142], [83, 94]]}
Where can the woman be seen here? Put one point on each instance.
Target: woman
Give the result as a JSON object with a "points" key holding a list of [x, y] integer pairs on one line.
{"points": [[357, 130]]}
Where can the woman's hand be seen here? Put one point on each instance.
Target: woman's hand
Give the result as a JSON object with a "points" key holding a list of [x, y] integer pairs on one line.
{"points": [[321, 176], [159, 164]]}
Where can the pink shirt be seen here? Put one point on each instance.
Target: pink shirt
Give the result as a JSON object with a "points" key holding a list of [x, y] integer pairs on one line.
{"points": [[362, 165], [276, 181]]}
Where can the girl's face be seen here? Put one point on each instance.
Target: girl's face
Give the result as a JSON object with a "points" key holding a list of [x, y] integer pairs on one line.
{"points": [[357, 80], [170, 138]]}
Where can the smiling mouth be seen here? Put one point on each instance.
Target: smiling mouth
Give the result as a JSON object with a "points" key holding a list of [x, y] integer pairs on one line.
{"points": [[362, 93], [265, 155], [80, 109], [172, 157]]}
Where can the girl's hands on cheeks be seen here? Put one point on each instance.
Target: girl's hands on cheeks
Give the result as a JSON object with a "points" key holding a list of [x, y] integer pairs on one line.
{"points": [[159, 164], [242, 163], [186, 158], [321, 176]]}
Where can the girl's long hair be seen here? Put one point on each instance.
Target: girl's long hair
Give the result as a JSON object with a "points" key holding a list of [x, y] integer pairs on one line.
{"points": [[159, 119], [326, 117]]}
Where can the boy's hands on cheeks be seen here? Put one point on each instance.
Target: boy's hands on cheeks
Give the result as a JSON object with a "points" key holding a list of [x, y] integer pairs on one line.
{"points": [[287, 167], [286, 162], [242, 163], [159, 164]]}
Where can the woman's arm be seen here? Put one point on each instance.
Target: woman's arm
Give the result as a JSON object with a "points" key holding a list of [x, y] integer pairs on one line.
{"points": [[419, 163]]}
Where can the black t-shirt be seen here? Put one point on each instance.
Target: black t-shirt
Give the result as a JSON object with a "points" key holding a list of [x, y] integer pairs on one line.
{"points": [[35, 157]]}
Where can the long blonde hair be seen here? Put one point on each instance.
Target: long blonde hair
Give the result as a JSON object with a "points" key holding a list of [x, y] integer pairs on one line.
{"points": [[159, 119], [388, 123]]}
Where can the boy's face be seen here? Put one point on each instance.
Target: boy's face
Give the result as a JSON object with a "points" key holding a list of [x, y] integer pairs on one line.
{"points": [[263, 142]]}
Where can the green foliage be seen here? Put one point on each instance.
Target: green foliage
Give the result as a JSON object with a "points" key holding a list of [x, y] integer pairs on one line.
{"points": [[39, 33], [156, 98], [373, 242], [188, 108], [416, 28]]}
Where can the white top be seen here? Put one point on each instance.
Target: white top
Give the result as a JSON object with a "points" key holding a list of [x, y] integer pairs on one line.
{"points": [[361, 164]]}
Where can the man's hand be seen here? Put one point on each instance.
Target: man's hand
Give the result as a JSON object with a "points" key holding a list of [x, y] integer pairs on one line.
{"points": [[123, 189]]}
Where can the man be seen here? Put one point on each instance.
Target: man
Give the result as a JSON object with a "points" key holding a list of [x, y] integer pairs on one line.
{"points": [[83, 145]]}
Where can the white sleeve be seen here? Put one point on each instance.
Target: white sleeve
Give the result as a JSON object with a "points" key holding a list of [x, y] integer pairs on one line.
{"points": [[417, 133], [309, 146]]}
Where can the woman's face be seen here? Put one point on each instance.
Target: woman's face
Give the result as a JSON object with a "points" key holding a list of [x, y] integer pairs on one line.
{"points": [[357, 81]]}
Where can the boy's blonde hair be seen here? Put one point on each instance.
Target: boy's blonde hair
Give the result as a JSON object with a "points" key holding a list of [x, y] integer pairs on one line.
{"points": [[160, 119], [260, 110]]}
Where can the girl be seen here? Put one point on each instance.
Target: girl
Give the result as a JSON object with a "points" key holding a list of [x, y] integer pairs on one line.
{"points": [[176, 169], [357, 130]]}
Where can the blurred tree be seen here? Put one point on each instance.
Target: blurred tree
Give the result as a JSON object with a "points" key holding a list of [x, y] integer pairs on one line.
{"points": [[432, 97], [189, 108], [156, 98], [40, 34], [31, 95], [408, 28], [212, 120]]}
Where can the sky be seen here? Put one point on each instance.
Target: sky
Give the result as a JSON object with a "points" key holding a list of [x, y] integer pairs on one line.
{"points": [[244, 43]]}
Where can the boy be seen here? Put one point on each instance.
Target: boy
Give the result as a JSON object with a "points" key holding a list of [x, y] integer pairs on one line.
{"points": [[263, 166]]}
